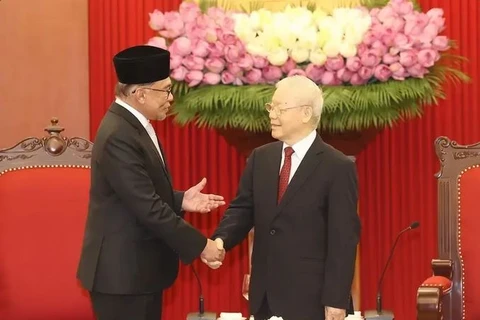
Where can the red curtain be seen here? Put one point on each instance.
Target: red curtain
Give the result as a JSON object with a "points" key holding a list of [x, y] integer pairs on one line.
{"points": [[396, 171], [192, 153], [396, 174]]}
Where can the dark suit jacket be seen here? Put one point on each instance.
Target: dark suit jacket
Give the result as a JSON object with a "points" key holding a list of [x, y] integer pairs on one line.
{"points": [[134, 231], [304, 248]]}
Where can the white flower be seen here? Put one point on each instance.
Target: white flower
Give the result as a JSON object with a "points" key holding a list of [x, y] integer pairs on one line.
{"points": [[287, 39], [300, 55], [243, 29], [278, 57], [332, 48], [308, 40], [348, 50], [303, 35], [318, 57], [275, 318]]}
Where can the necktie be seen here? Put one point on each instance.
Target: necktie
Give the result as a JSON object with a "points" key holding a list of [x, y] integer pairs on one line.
{"points": [[285, 173], [153, 136]]}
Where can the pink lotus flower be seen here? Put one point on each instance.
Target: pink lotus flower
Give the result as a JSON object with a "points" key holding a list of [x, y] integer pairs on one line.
{"points": [[181, 47], [175, 61], [427, 57], [174, 26], [370, 58], [436, 17], [192, 62], [402, 42], [200, 48], [386, 13], [314, 72], [408, 58], [216, 50], [235, 69], [417, 71], [272, 73], [216, 14], [344, 75], [387, 38], [211, 78], [259, 62], [389, 58], [415, 23], [398, 71], [193, 31], [157, 20], [246, 62], [402, 7], [193, 78], [353, 64], [395, 23], [227, 77], [361, 48], [179, 73], [233, 53], [189, 11], [329, 78], [365, 72], [379, 48], [440, 43], [369, 38], [334, 64], [356, 80], [228, 38], [254, 76], [296, 72], [288, 66], [158, 42], [382, 72], [215, 65]]}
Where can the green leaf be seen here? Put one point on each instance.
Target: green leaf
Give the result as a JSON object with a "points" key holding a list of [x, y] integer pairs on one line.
{"points": [[346, 107]]}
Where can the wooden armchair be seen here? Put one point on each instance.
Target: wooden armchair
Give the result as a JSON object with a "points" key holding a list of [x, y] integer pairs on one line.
{"points": [[453, 292], [44, 186]]}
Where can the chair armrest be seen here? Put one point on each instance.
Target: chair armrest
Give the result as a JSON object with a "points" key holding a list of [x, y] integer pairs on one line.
{"points": [[433, 289]]}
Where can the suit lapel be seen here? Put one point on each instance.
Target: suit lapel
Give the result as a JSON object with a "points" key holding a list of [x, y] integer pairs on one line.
{"points": [[165, 165], [127, 115], [161, 162], [309, 163]]}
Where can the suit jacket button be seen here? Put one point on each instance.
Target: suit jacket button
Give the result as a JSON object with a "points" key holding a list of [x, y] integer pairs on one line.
{"points": [[272, 232]]}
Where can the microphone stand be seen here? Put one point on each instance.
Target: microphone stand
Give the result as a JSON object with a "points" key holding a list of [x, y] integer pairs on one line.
{"points": [[379, 313], [201, 314]]}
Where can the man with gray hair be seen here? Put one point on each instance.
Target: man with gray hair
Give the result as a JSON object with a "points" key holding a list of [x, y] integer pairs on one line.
{"points": [[300, 194]]}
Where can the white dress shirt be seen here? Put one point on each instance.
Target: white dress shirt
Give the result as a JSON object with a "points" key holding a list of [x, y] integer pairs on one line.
{"points": [[300, 148], [145, 123]]}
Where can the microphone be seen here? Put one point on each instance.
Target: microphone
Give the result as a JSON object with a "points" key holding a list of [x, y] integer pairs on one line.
{"points": [[201, 314], [379, 313]]}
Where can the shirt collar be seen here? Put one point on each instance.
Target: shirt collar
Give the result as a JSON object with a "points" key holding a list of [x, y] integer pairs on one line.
{"points": [[143, 120], [302, 146]]}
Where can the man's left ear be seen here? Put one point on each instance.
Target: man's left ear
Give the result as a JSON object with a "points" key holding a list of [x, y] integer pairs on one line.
{"points": [[307, 114]]}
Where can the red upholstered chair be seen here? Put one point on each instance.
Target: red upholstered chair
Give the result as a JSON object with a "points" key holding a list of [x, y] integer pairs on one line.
{"points": [[453, 292], [44, 185]]}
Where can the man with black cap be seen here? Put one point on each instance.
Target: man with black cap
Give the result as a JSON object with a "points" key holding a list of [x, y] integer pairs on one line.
{"points": [[135, 232]]}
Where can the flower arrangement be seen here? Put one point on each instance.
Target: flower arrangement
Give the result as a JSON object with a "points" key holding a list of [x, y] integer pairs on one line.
{"points": [[376, 64]]}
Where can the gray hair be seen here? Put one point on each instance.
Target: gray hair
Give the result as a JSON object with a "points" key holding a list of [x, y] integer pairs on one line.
{"points": [[124, 90], [309, 91]]}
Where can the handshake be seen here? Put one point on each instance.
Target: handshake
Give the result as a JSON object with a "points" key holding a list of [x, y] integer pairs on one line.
{"points": [[213, 254]]}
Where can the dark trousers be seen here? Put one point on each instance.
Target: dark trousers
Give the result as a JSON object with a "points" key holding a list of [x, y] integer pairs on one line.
{"points": [[264, 313], [127, 307]]}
